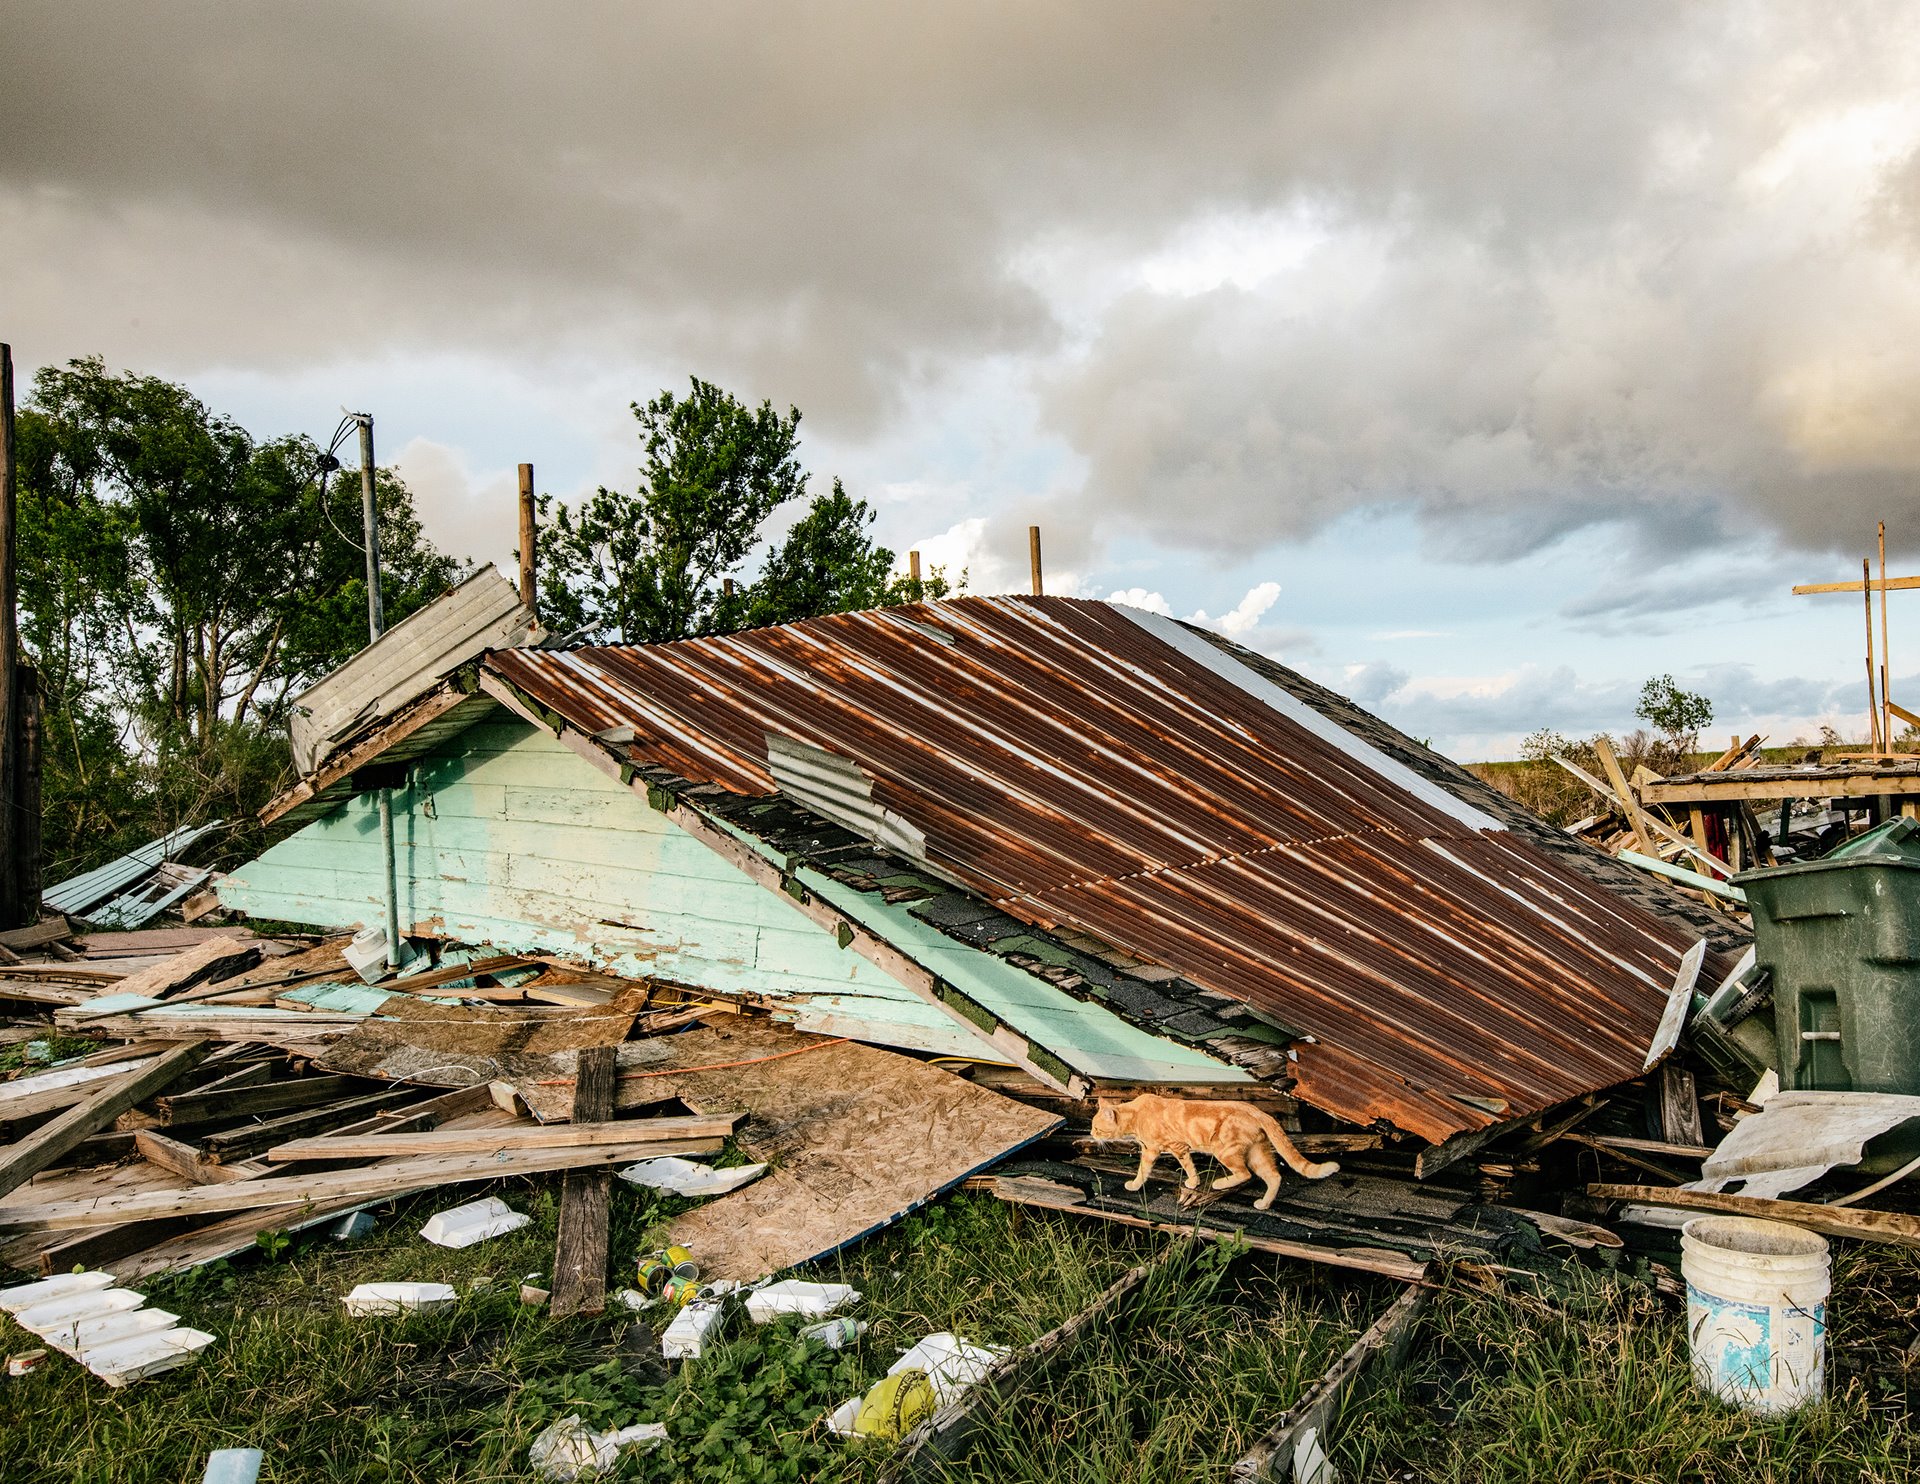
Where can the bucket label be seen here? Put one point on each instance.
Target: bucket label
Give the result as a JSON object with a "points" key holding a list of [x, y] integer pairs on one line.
{"points": [[1768, 1356]]}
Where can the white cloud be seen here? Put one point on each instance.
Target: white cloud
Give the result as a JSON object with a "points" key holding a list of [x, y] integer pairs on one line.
{"points": [[1251, 609], [1235, 624], [471, 514], [1139, 597]]}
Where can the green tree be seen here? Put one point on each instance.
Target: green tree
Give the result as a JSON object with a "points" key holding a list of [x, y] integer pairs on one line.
{"points": [[1676, 713], [651, 566], [179, 581], [828, 563], [668, 560]]}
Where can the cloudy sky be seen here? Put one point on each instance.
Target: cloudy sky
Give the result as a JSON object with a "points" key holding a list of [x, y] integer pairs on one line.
{"points": [[1480, 360]]}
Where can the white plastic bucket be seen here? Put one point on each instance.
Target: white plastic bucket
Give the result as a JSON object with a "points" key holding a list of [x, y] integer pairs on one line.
{"points": [[1756, 1311]]}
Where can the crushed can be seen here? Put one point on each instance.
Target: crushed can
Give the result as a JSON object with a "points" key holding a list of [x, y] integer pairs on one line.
{"points": [[681, 1291]]}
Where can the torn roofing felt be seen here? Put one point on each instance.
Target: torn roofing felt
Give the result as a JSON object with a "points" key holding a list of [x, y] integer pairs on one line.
{"points": [[1090, 768]]}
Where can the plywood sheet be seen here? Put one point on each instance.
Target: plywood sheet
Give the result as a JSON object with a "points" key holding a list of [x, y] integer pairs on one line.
{"points": [[857, 1138]]}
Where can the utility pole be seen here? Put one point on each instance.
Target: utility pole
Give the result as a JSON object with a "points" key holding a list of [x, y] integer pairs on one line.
{"points": [[1033, 552], [529, 539], [369, 521], [376, 625], [12, 909]]}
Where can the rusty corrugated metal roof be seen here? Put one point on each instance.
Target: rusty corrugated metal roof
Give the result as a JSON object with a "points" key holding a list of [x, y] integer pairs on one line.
{"points": [[1085, 765]]}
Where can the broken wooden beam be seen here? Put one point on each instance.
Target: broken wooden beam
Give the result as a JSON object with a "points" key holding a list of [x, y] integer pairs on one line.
{"points": [[37, 935], [250, 1138], [1895, 1227], [580, 1249], [249, 1100], [1045, 1195], [946, 1436], [22, 1161], [188, 1163], [523, 1137], [1297, 1445], [389, 1179]]}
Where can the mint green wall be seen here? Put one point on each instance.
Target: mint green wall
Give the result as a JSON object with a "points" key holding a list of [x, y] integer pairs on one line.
{"points": [[505, 837]]}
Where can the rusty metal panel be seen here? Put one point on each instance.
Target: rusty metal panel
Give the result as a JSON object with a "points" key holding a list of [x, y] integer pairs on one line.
{"points": [[1065, 761]]}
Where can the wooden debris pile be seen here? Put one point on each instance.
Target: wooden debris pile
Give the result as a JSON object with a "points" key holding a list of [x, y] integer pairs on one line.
{"points": [[170, 1107]]}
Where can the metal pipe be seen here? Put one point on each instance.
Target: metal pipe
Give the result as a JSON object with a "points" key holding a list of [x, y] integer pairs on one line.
{"points": [[393, 893]]}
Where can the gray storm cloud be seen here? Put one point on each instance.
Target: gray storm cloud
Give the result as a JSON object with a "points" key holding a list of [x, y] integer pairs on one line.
{"points": [[1522, 268]]}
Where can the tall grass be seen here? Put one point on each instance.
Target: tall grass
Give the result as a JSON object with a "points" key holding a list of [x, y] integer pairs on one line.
{"points": [[1189, 1374]]}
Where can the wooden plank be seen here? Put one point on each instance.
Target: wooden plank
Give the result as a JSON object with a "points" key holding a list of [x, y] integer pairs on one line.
{"points": [[1605, 791], [237, 1143], [107, 1244], [225, 1236], [186, 1161], [297, 1190], [580, 1249], [525, 1136], [1623, 791], [1043, 1195], [1282, 1454], [430, 1114], [22, 1161], [39, 935], [948, 1435], [1723, 788], [1891, 584], [215, 958], [247, 1102], [1653, 1146], [274, 1027], [1628, 1157], [1679, 1106], [454, 973], [1896, 1227]]}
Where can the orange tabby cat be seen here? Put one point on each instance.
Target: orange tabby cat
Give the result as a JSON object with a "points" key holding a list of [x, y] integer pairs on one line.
{"points": [[1236, 1134]]}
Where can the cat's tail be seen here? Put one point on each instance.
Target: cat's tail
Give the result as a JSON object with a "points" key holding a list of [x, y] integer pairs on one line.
{"points": [[1296, 1161]]}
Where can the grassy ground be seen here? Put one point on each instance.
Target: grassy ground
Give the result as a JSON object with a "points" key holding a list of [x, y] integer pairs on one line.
{"points": [[1210, 1353]]}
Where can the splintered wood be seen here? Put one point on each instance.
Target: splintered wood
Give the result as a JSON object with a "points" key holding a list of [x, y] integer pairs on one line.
{"points": [[857, 1138]]}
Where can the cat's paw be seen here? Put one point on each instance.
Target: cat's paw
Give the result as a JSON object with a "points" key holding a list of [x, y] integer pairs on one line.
{"points": [[1136, 1184]]}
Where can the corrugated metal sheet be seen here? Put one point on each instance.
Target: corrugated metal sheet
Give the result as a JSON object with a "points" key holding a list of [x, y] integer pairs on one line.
{"points": [[79, 893], [1075, 763], [407, 661]]}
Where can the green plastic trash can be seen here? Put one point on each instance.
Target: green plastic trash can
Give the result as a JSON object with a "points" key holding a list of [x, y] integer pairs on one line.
{"points": [[1841, 936]]}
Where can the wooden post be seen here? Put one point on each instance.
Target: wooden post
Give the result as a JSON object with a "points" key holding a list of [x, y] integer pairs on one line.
{"points": [[1629, 801], [1873, 699], [1886, 648], [1033, 550], [913, 571], [580, 1250], [26, 818], [14, 910], [529, 542]]}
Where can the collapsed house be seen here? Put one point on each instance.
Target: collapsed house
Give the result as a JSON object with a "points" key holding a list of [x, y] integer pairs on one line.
{"points": [[1081, 839]]}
